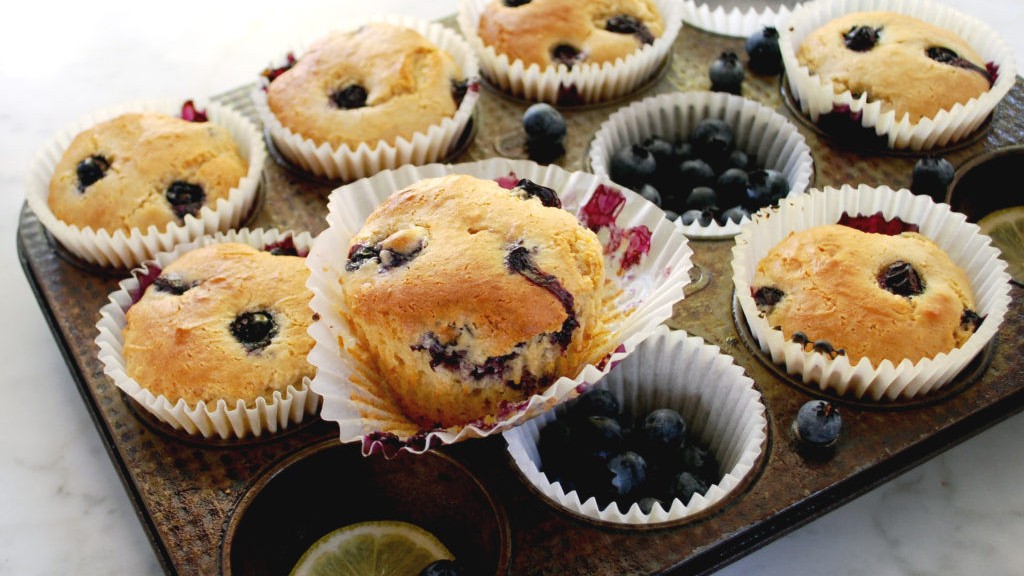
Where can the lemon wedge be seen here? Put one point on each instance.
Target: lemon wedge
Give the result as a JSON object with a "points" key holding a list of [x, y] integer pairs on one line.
{"points": [[373, 548], [1006, 228]]}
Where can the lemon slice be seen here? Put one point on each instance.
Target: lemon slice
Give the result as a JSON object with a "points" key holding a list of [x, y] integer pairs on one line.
{"points": [[374, 548], [1006, 228]]}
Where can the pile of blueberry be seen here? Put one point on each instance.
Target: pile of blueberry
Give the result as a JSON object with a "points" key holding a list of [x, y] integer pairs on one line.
{"points": [[702, 178], [600, 451]]}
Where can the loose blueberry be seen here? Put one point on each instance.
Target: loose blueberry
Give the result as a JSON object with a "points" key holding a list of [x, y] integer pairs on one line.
{"points": [[731, 186], [765, 57], [861, 38], [663, 429], [599, 436], [442, 567], [254, 330], [626, 24], [901, 278], [185, 198], [713, 140], [672, 215], [818, 423], [735, 214], [699, 462], [648, 503], [685, 486], [90, 170], [349, 97], [566, 54], [932, 176], [651, 194], [594, 402], [628, 474], [547, 196], [694, 173], [702, 198], [765, 187], [699, 217], [727, 73], [740, 159], [544, 123], [632, 165]]}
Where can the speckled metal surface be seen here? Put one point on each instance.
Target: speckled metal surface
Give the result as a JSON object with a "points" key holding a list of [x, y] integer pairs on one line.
{"points": [[187, 491]]}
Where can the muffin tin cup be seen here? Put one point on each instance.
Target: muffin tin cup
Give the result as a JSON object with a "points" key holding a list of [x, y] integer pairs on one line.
{"points": [[735, 22], [591, 83], [962, 240], [763, 133], [815, 96], [639, 298], [347, 164], [668, 370], [216, 420], [123, 249]]}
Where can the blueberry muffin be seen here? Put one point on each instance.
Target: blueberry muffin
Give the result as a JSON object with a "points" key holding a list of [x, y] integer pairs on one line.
{"points": [[882, 296], [379, 82], [912, 67], [551, 32], [223, 322], [143, 169], [467, 295]]}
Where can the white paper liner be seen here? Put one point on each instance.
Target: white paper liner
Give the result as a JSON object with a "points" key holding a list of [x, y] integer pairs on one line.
{"points": [[668, 370], [735, 22], [218, 420], [344, 163], [593, 82], [352, 398], [816, 96], [962, 240], [767, 136], [122, 249]]}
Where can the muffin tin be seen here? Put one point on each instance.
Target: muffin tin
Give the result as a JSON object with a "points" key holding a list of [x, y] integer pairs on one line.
{"points": [[199, 500]]}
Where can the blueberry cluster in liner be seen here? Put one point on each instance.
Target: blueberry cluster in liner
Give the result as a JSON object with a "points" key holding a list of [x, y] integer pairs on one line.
{"points": [[650, 459], [700, 178]]}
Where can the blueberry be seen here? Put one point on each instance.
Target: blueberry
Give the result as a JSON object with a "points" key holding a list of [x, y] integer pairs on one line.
{"points": [[351, 96], [765, 187], [90, 170], [566, 54], [970, 320], [599, 436], [651, 194], [818, 423], [254, 330], [739, 159], [185, 198], [672, 215], [767, 296], [442, 567], [632, 165], [932, 176], [731, 186], [173, 284], [861, 38], [514, 3], [595, 402], [685, 486], [694, 173], [647, 504], [544, 123], [945, 55], [701, 198], [459, 89], [765, 57], [735, 214], [698, 461], [663, 429], [547, 196], [628, 474], [359, 254], [713, 140], [901, 278], [626, 24], [726, 73], [699, 217]]}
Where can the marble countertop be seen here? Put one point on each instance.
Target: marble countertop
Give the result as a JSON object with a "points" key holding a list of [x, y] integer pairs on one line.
{"points": [[63, 508]]}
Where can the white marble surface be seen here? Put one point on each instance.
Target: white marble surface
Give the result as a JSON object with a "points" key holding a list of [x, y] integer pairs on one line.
{"points": [[63, 509]]}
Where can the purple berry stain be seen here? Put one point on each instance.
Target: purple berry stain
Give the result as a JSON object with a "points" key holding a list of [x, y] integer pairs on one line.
{"points": [[520, 261]]}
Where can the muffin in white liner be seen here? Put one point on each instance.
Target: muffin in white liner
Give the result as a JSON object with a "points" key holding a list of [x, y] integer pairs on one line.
{"points": [[121, 249], [668, 370], [641, 293], [584, 83], [767, 136], [218, 420], [815, 96], [734, 22], [344, 163], [961, 240]]}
